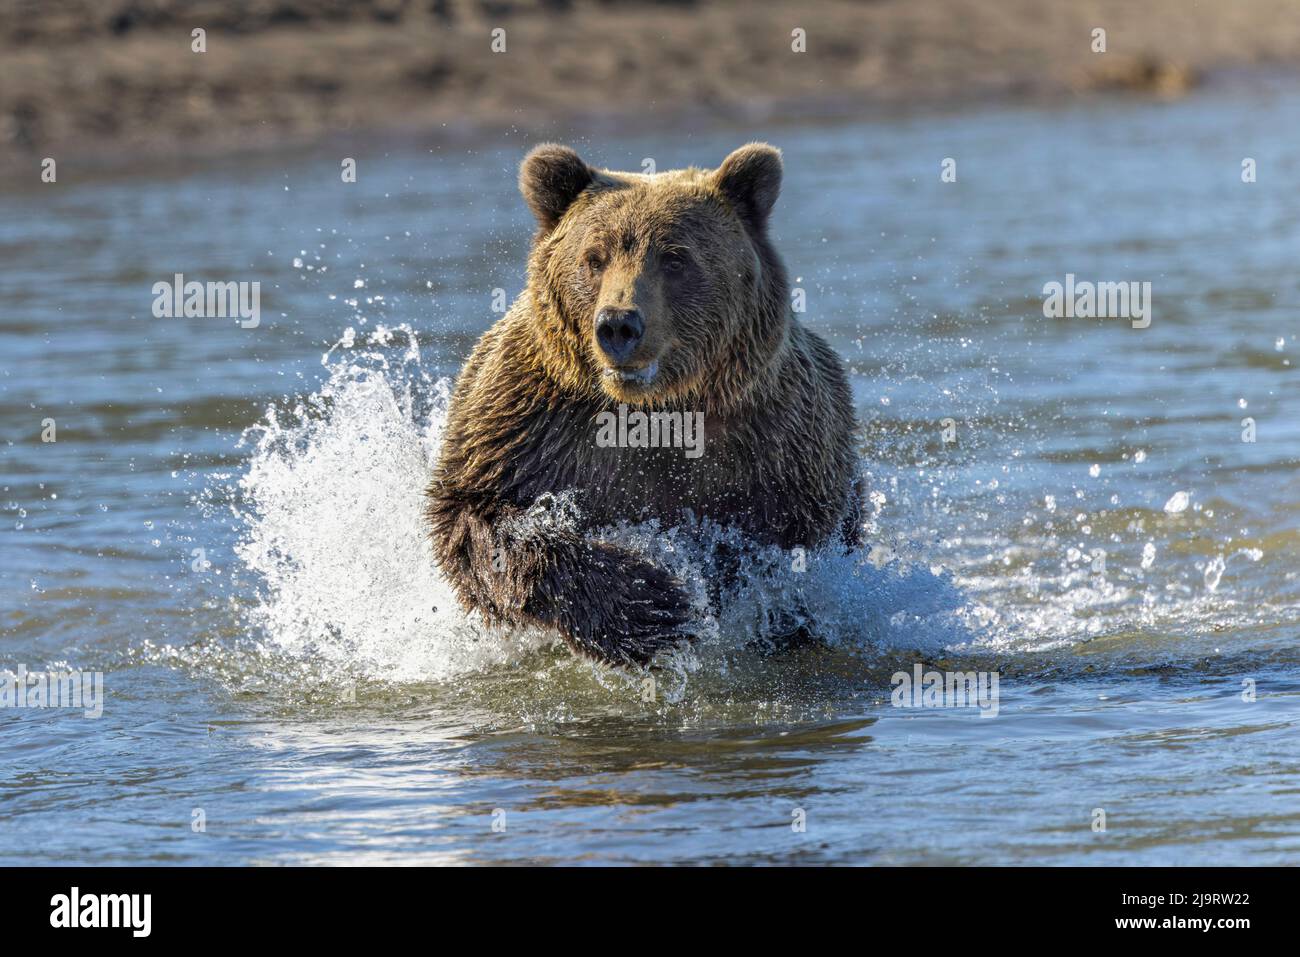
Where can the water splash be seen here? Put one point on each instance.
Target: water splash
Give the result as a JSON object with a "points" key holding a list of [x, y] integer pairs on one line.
{"points": [[332, 506], [333, 526]]}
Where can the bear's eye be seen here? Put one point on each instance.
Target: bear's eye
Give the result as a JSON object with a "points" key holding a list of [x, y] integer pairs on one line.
{"points": [[594, 262], [674, 262]]}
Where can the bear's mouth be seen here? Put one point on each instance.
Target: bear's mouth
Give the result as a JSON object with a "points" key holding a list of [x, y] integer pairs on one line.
{"points": [[642, 376]]}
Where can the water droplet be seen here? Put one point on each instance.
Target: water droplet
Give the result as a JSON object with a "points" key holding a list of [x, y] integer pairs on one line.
{"points": [[1214, 573]]}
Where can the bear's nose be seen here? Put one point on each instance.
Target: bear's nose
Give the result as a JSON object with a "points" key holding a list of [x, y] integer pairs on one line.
{"points": [[619, 331]]}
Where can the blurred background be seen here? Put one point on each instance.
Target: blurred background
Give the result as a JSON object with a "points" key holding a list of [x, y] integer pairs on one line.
{"points": [[103, 76]]}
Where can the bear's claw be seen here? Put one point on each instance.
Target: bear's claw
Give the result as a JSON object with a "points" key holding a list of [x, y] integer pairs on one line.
{"points": [[636, 609]]}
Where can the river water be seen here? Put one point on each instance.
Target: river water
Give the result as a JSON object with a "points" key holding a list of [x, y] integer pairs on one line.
{"points": [[226, 524]]}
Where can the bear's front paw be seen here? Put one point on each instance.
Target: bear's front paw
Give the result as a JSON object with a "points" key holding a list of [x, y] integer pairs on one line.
{"points": [[634, 610]]}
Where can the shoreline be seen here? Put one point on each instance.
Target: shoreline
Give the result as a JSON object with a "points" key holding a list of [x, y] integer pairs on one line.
{"points": [[20, 173]]}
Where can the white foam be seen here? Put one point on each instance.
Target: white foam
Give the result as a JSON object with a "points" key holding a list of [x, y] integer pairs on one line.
{"points": [[333, 499]]}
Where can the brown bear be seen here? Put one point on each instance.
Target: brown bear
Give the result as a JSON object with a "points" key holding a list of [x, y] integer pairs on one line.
{"points": [[653, 294]]}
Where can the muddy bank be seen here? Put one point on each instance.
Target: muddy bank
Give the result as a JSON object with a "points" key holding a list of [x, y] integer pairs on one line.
{"points": [[88, 77]]}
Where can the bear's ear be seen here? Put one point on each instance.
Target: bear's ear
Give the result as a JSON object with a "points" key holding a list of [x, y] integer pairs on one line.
{"points": [[551, 177], [750, 179]]}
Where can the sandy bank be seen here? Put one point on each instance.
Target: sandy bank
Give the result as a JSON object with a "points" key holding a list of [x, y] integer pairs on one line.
{"points": [[85, 76]]}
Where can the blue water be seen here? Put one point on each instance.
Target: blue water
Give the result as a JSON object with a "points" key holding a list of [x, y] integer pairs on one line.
{"points": [[312, 695]]}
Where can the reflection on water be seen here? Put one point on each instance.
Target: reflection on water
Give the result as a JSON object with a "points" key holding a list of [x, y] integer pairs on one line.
{"points": [[280, 656]]}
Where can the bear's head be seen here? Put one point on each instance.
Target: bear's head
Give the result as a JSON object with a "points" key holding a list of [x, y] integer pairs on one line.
{"points": [[658, 288]]}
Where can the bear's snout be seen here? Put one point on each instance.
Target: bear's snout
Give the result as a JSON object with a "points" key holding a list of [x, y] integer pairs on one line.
{"points": [[619, 332]]}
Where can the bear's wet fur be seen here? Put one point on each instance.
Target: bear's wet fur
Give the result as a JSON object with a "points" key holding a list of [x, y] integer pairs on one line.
{"points": [[657, 292]]}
